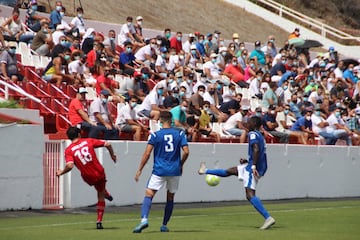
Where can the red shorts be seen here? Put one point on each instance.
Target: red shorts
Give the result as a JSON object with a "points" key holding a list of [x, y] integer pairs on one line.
{"points": [[98, 182]]}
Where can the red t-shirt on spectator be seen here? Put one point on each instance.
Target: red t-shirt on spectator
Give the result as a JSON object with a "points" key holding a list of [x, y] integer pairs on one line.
{"points": [[91, 58], [174, 43], [74, 107], [102, 79], [237, 75]]}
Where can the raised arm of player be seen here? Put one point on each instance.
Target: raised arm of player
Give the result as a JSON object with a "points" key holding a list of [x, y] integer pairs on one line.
{"points": [[144, 160], [111, 151]]}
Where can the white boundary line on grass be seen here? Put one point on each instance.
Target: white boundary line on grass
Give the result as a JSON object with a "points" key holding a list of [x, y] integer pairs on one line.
{"points": [[187, 216]]}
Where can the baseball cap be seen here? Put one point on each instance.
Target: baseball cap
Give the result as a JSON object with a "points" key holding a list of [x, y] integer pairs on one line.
{"points": [[12, 44], [163, 49], [245, 107], [213, 55], [105, 92], [235, 35], [139, 18], [191, 35], [209, 35], [82, 90], [257, 43]]}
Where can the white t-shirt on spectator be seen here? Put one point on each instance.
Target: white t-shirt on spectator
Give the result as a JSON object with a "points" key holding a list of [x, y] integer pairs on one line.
{"points": [[214, 69], [142, 52], [151, 99], [125, 113], [173, 61], [315, 121], [76, 67], [79, 23], [56, 36], [233, 120], [125, 29]]}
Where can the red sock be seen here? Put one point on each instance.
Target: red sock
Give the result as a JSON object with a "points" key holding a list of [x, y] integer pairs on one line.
{"points": [[100, 210]]}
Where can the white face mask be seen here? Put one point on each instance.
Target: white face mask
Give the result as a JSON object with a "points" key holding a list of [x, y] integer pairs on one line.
{"points": [[139, 22], [201, 93], [308, 118]]}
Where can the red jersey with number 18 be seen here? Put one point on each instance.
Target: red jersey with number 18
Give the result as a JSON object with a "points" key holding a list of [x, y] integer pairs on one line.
{"points": [[82, 154]]}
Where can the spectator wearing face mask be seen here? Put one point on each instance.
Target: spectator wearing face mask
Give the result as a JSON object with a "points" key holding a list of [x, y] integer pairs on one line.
{"points": [[337, 126], [8, 67], [211, 69], [303, 125], [319, 125], [128, 33], [78, 21], [203, 126], [55, 16], [349, 75], [138, 29], [100, 114], [153, 103], [270, 125], [43, 42], [176, 42]]}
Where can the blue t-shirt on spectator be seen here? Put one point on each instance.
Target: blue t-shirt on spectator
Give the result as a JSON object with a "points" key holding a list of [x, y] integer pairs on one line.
{"points": [[301, 122], [126, 58], [350, 75], [278, 67], [285, 76], [260, 55], [268, 118], [55, 19]]}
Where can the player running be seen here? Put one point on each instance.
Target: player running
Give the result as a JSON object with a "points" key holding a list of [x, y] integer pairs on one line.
{"points": [[249, 171], [81, 153], [168, 163]]}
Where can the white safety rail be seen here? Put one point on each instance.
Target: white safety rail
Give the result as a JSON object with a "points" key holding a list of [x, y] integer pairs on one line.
{"points": [[325, 30], [4, 87]]}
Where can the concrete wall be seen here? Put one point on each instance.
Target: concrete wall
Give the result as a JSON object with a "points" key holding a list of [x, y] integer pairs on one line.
{"points": [[21, 172], [294, 172]]}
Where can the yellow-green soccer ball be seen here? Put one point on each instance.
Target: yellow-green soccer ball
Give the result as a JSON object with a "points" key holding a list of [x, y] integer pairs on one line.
{"points": [[212, 180]]}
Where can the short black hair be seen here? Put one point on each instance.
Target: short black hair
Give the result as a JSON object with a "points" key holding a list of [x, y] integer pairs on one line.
{"points": [[166, 116], [73, 132], [257, 121]]}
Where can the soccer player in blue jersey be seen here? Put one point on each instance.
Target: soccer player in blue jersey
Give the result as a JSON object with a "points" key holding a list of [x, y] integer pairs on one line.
{"points": [[251, 170], [167, 169]]}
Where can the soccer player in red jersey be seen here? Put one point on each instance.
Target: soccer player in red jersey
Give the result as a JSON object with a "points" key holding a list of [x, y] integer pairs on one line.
{"points": [[81, 153]]}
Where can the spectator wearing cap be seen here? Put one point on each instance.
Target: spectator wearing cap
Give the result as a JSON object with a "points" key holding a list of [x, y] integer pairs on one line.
{"points": [[304, 125], [57, 70], [42, 42], [337, 126], [55, 16], [138, 28], [258, 55], [78, 21], [59, 32], [236, 74], [126, 119], [153, 103], [270, 124], [188, 43], [79, 116], [176, 43], [128, 33], [235, 126], [193, 59], [100, 114], [269, 97], [8, 64], [319, 125], [33, 19], [127, 58], [236, 42], [211, 68]]}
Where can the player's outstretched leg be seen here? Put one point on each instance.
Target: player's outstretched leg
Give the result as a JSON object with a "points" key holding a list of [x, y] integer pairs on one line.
{"points": [[218, 172]]}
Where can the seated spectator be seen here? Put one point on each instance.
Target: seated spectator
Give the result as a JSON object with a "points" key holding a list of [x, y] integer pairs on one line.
{"points": [[212, 96], [353, 124], [138, 29], [78, 116], [194, 60], [8, 64], [203, 126], [77, 67], [143, 56], [94, 55], [87, 43], [42, 42], [211, 69], [127, 59], [258, 55], [236, 74], [60, 47], [110, 46], [232, 106], [179, 116], [100, 114], [269, 97], [234, 124], [128, 33], [270, 125], [13, 29], [78, 21], [153, 103], [57, 70], [197, 101], [176, 43], [126, 119], [33, 19], [303, 125], [172, 99], [161, 62], [319, 125], [337, 126]]}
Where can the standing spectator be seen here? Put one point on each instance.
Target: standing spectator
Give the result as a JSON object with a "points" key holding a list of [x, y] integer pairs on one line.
{"points": [[249, 173], [8, 64], [167, 168], [100, 114], [55, 16], [81, 153], [175, 42], [126, 119]]}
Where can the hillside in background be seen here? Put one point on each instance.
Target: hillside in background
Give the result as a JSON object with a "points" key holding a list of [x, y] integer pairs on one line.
{"points": [[341, 14], [181, 15]]}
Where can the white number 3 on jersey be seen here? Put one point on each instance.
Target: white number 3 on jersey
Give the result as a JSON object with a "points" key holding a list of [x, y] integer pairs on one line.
{"points": [[169, 147]]}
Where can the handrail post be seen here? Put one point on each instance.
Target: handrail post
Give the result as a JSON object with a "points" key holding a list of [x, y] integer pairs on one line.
{"points": [[280, 11], [6, 93]]}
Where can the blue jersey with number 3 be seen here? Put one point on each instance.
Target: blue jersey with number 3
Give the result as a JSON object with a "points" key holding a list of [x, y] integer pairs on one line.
{"points": [[167, 144], [261, 164]]}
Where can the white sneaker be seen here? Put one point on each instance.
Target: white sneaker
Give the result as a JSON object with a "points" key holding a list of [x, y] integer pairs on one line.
{"points": [[202, 169], [268, 223]]}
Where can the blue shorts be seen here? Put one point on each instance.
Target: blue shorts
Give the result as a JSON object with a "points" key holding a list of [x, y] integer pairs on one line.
{"points": [[47, 77], [145, 112]]}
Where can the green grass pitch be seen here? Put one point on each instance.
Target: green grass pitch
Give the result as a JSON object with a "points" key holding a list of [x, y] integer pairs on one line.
{"points": [[296, 220]]}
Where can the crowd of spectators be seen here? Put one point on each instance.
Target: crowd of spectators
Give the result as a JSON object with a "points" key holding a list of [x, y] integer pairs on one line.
{"points": [[203, 79]]}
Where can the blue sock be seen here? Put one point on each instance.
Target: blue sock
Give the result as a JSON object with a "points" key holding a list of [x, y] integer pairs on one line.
{"points": [[217, 172], [168, 211], [145, 209], [255, 201]]}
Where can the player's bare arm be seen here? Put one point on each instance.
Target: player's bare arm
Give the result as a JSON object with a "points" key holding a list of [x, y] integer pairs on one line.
{"points": [[144, 160], [256, 151], [69, 166], [185, 155], [111, 151]]}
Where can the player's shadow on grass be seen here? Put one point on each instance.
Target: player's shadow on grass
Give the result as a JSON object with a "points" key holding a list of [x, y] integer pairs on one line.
{"points": [[177, 231]]}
